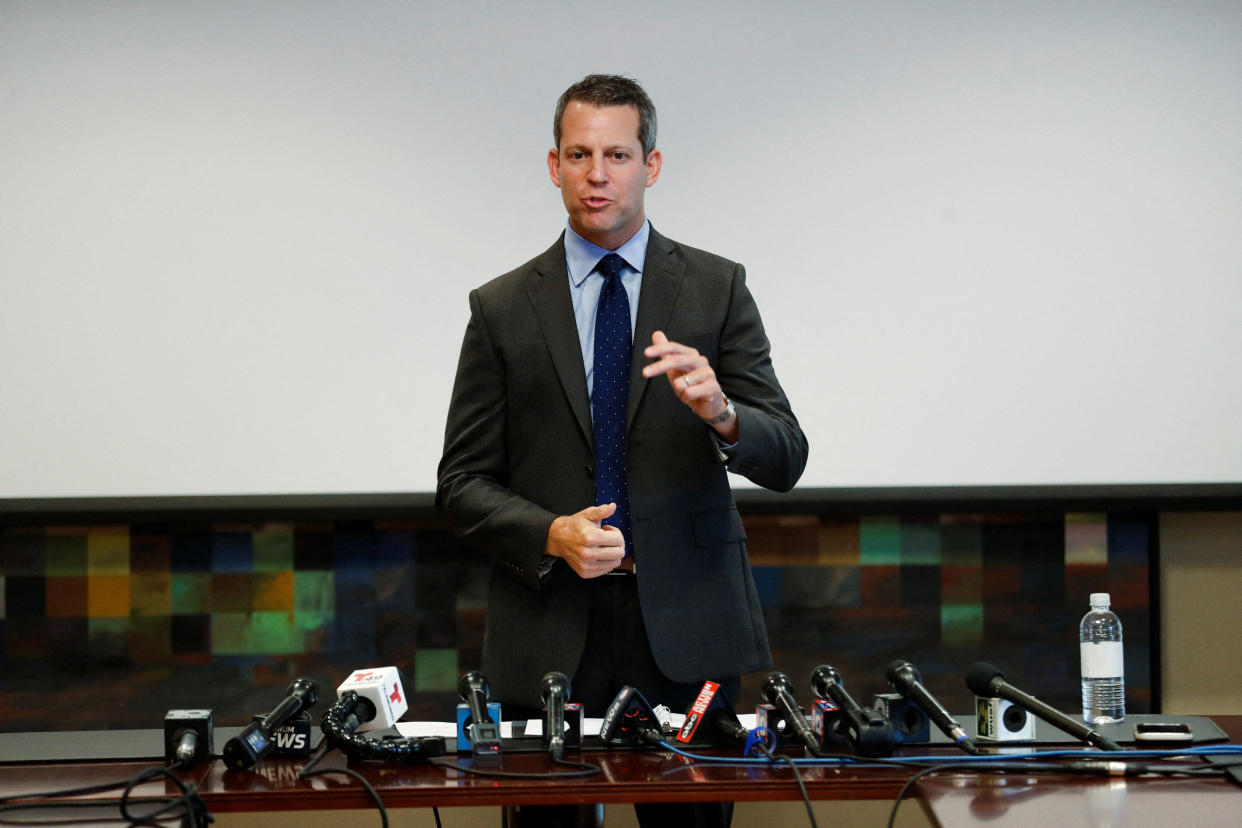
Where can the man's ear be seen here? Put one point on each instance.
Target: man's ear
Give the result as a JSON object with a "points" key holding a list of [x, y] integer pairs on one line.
{"points": [[554, 167], [654, 162]]}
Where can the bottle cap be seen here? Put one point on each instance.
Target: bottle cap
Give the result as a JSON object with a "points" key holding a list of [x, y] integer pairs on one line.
{"points": [[1100, 599]]}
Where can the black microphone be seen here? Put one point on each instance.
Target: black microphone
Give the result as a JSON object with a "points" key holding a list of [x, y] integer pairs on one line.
{"points": [[255, 742], [907, 681], [869, 733], [484, 734], [630, 720], [554, 689], [985, 680], [778, 691]]}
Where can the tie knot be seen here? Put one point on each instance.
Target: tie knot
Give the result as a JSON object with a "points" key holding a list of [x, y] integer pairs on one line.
{"points": [[611, 265]]}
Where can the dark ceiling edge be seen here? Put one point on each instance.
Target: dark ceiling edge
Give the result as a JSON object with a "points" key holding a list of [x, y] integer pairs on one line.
{"points": [[420, 506]]}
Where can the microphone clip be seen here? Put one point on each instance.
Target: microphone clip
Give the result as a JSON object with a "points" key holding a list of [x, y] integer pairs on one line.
{"points": [[760, 742], [910, 724], [480, 739], [1000, 720]]}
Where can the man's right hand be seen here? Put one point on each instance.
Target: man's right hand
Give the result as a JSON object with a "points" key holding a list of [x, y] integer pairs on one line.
{"points": [[582, 541]]}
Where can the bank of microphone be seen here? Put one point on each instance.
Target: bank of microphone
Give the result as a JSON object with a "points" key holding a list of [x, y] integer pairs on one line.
{"points": [[905, 679], [985, 680]]}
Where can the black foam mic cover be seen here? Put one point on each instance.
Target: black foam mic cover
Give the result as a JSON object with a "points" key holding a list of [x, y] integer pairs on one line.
{"points": [[981, 678]]}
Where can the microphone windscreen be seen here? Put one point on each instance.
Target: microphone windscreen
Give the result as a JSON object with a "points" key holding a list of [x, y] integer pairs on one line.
{"points": [[471, 682], [824, 678], [901, 674], [554, 682], [774, 684], [980, 677]]}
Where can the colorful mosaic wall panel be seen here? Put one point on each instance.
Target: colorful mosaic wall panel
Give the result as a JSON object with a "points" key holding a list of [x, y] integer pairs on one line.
{"points": [[134, 620]]}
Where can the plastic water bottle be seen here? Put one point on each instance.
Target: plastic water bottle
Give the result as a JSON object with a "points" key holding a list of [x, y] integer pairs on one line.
{"points": [[1103, 665]]}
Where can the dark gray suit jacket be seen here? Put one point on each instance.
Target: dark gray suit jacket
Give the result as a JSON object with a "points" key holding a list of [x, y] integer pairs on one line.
{"points": [[518, 453]]}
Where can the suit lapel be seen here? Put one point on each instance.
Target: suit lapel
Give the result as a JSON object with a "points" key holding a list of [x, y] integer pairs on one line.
{"points": [[548, 289], [663, 273]]}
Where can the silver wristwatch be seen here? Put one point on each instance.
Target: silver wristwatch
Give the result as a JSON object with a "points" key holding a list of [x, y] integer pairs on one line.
{"points": [[723, 416]]}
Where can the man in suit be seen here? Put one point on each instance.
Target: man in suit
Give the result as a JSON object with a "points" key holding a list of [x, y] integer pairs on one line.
{"points": [[616, 559]]}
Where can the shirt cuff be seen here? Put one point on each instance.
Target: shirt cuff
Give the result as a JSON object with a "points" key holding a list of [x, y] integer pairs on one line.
{"points": [[545, 566], [724, 450]]}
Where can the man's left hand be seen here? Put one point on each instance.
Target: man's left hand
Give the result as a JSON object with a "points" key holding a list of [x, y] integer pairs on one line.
{"points": [[693, 381]]}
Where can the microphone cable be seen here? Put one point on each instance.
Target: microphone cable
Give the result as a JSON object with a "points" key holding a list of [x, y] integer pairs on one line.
{"points": [[362, 780], [322, 749], [1086, 762], [338, 727], [189, 805], [580, 769], [761, 746], [981, 759]]}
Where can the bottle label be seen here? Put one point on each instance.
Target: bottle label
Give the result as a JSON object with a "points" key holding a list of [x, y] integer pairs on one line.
{"points": [[1102, 659]]}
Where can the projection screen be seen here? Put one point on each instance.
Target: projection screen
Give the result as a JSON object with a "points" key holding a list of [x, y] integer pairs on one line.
{"points": [[993, 243]]}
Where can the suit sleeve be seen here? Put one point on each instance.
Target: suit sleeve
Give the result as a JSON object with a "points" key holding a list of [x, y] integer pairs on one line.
{"points": [[473, 478], [771, 450]]}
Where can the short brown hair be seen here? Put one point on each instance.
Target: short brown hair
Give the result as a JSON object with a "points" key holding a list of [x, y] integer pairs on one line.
{"points": [[611, 90]]}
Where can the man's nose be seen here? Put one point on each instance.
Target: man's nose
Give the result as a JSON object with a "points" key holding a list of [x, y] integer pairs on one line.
{"points": [[597, 172]]}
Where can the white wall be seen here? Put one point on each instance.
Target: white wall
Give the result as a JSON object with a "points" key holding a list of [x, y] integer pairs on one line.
{"points": [[993, 242]]}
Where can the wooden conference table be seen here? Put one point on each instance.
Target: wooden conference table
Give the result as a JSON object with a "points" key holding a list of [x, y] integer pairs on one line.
{"points": [[950, 798]]}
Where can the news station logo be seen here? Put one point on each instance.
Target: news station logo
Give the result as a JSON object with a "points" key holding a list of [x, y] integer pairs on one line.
{"points": [[293, 739], [698, 710]]}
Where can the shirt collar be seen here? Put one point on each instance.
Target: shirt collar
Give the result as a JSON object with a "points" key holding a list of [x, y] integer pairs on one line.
{"points": [[581, 256]]}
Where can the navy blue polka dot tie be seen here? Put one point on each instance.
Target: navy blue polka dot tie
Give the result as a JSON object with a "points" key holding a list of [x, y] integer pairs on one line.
{"points": [[609, 393]]}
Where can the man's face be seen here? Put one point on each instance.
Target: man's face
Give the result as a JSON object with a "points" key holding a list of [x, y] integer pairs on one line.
{"points": [[601, 172]]}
